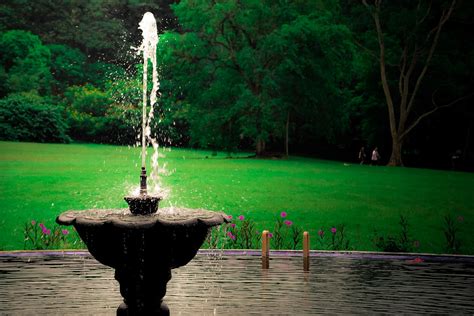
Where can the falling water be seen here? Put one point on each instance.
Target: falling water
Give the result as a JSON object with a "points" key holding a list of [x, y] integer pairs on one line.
{"points": [[148, 46]]}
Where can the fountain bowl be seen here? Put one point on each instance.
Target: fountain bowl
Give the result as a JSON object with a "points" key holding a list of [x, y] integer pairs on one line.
{"points": [[143, 204], [143, 248]]}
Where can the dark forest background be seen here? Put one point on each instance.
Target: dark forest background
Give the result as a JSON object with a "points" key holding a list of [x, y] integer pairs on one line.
{"points": [[315, 78]]}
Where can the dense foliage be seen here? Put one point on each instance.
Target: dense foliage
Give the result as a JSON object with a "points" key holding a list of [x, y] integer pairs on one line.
{"points": [[270, 76], [28, 117], [279, 67]]}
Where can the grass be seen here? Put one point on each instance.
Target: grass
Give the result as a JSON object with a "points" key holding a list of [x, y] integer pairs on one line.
{"points": [[39, 181]]}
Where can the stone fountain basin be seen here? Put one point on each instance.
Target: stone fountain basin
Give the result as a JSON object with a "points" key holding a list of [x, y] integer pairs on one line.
{"points": [[117, 238]]}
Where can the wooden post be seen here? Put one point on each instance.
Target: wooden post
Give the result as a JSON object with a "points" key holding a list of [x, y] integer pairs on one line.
{"points": [[306, 251], [265, 250]]}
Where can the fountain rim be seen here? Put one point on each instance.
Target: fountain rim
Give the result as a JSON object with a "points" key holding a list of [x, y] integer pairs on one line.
{"points": [[146, 196], [73, 217]]}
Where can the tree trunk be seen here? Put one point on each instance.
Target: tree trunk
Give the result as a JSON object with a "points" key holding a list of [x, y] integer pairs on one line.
{"points": [[260, 147], [396, 156], [287, 127], [467, 144]]}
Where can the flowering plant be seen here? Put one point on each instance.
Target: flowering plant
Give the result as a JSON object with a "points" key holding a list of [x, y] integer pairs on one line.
{"points": [[285, 233], [243, 234], [38, 236], [240, 234], [337, 239], [451, 233]]}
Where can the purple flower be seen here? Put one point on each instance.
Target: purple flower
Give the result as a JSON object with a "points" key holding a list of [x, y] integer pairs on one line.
{"points": [[460, 218], [333, 230], [288, 223], [230, 235], [241, 217], [416, 243], [270, 235], [33, 222], [283, 214], [44, 229], [47, 231], [321, 233], [232, 225], [65, 232]]}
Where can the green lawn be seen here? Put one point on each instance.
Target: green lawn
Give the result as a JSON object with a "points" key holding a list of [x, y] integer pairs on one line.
{"points": [[39, 181]]}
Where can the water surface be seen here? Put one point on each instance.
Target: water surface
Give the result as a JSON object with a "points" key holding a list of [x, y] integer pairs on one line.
{"points": [[236, 285]]}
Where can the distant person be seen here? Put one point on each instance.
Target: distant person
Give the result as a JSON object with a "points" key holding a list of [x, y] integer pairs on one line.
{"points": [[375, 156], [362, 155], [455, 158]]}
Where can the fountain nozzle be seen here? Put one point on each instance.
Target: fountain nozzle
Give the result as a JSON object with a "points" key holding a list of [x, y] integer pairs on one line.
{"points": [[143, 189], [144, 203]]}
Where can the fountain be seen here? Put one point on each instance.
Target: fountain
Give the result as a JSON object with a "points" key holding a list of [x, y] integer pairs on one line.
{"points": [[141, 244]]}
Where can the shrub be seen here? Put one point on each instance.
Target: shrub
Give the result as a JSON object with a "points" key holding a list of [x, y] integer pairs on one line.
{"points": [[88, 100], [27, 117], [25, 62], [38, 237], [242, 234], [286, 235], [451, 233], [337, 239], [400, 243], [94, 116]]}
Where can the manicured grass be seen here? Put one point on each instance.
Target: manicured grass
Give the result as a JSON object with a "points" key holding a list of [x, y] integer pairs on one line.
{"points": [[39, 181]]}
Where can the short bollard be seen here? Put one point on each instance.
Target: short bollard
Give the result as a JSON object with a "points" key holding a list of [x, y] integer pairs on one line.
{"points": [[306, 251], [265, 250]]}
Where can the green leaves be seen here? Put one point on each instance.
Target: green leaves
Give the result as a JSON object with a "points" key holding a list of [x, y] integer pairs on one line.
{"points": [[67, 66], [26, 62], [243, 65], [87, 99], [28, 117]]}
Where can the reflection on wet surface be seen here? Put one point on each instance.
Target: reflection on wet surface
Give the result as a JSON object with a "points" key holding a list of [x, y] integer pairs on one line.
{"points": [[236, 285]]}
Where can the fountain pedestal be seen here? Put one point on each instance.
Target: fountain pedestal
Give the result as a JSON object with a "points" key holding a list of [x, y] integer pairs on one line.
{"points": [[143, 294], [143, 248]]}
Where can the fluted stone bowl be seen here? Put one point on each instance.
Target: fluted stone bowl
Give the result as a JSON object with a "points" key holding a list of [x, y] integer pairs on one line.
{"points": [[143, 204], [171, 236], [143, 248]]}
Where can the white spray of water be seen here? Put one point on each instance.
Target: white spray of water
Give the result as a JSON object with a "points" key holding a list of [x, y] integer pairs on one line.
{"points": [[148, 47]]}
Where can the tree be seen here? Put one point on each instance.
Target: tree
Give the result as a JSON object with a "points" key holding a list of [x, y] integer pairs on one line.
{"points": [[102, 30], [67, 66], [237, 62], [415, 29], [87, 25], [26, 63], [314, 79]]}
